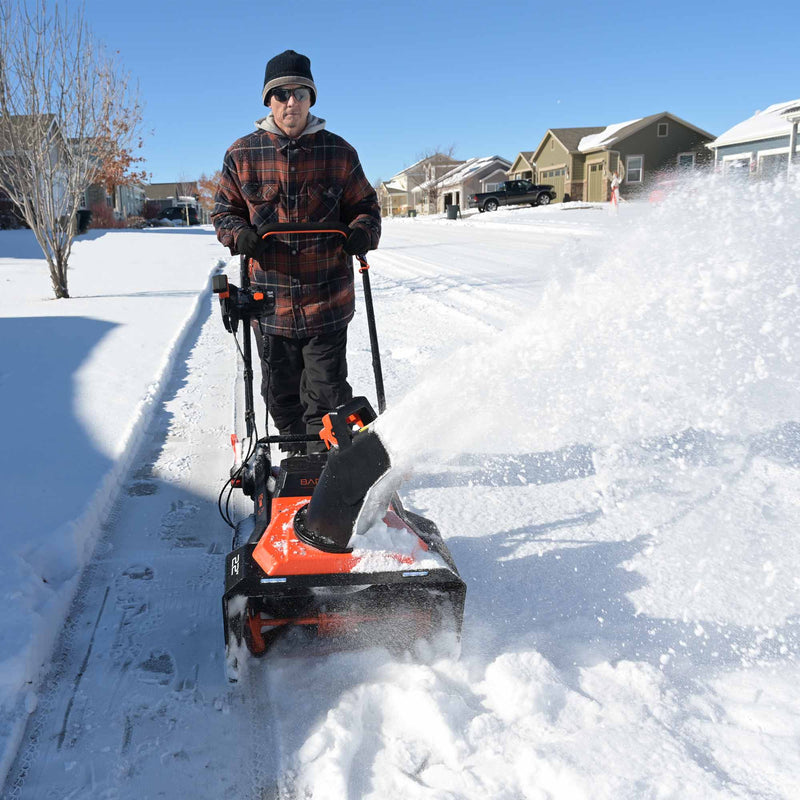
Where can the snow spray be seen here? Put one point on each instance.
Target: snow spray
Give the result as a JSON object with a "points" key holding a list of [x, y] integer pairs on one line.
{"points": [[685, 315]]}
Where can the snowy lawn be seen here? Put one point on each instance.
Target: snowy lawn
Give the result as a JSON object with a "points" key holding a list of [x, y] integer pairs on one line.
{"points": [[600, 413], [77, 382]]}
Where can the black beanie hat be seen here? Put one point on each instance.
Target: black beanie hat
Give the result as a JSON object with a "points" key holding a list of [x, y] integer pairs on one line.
{"points": [[288, 67]]}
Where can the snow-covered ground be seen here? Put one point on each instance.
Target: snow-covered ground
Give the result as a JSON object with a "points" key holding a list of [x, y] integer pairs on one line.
{"points": [[79, 381], [600, 413]]}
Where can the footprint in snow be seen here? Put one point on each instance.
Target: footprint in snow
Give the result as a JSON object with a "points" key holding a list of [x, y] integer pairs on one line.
{"points": [[139, 572], [142, 489], [158, 667]]}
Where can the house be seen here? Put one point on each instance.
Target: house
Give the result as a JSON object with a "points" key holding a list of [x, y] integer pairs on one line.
{"points": [[129, 200], [639, 151], [760, 145], [474, 175], [39, 137], [394, 197], [580, 162], [163, 195], [123, 201], [108, 203], [21, 133], [560, 163], [404, 192], [523, 168], [159, 196]]}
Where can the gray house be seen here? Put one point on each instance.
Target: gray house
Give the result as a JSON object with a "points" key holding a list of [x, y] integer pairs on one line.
{"points": [[474, 175], [762, 144], [404, 192]]}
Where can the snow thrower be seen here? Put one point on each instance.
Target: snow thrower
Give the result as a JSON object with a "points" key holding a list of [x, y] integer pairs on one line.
{"points": [[330, 550]]}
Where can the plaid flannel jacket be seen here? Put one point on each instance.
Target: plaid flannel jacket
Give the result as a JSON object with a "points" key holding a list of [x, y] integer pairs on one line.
{"points": [[268, 178]]}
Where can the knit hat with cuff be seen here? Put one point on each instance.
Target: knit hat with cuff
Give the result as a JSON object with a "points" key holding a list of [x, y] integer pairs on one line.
{"points": [[286, 68]]}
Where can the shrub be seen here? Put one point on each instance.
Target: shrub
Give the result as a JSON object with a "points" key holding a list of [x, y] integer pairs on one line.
{"points": [[103, 217]]}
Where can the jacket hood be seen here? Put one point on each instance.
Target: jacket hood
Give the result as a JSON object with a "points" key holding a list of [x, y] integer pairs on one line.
{"points": [[268, 124]]}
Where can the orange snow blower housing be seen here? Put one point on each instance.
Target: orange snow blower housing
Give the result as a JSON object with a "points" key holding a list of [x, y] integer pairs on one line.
{"points": [[330, 549]]}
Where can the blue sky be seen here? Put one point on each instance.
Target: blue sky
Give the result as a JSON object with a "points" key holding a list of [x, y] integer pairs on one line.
{"points": [[397, 79]]}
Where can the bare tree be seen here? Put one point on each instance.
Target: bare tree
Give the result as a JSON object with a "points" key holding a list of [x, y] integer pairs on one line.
{"points": [[427, 182], [437, 151], [186, 193], [68, 115]]}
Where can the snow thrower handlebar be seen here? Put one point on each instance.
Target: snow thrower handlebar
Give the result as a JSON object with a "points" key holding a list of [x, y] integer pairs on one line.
{"points": [[275, 228], [241, 304]]}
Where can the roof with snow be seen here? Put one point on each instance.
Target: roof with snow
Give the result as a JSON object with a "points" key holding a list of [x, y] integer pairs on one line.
{"points": [[436, 158], [770, 123], [394, 187], [571, 137], [609, 136], [468, 169]]}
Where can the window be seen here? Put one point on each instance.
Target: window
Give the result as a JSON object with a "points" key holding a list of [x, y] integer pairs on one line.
{"points": [[552, 144], [662, 130], [634, 167], [685, 160], [490, 187], [739, 165], [772, 164]]}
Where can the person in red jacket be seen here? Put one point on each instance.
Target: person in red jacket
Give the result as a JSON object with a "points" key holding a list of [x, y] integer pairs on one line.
{"points": [[291, 169]]}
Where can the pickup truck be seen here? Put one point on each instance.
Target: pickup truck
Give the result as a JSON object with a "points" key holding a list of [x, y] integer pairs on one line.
{"points": [[511, 193]]}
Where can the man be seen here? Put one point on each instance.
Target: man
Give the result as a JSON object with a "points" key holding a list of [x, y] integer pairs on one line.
{"points": [[293, 170]]}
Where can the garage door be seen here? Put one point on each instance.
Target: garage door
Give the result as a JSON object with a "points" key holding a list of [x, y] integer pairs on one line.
{"points": [[556, 179], [597, 185]]}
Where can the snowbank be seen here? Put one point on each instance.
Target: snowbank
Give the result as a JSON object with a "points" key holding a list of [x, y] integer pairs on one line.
{"points": [[80, 378]]}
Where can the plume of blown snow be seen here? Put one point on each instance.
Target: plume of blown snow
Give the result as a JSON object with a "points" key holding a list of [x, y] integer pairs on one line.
{"points": [[686, 317]]}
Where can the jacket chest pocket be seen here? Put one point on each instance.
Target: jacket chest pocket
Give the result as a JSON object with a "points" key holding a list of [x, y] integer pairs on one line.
{"points": [[263, 199], [323, 202]]}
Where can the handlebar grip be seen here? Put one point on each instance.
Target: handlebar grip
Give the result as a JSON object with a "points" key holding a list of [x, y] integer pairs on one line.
{"points": [[302, 227]]}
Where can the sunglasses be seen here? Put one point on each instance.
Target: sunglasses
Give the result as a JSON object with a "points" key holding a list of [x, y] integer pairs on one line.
{"points": [[301, 94]]}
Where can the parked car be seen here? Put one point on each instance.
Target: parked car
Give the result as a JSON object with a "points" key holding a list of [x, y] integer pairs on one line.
{"points": [[179, 214], [511, 193]]}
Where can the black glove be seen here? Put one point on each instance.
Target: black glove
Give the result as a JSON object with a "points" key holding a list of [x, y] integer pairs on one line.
{"points": [[251, 244], [357, 243]]}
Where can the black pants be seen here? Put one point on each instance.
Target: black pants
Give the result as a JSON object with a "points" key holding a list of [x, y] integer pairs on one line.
{"points": [[303, 379]]}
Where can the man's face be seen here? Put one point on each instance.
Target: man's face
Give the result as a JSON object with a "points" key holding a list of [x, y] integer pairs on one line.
{"points": [[291, 116]]}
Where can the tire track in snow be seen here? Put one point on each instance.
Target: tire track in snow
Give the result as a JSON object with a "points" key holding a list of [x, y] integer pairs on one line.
{"points": [[475, 301]]}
